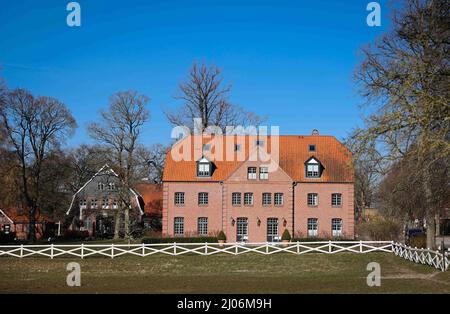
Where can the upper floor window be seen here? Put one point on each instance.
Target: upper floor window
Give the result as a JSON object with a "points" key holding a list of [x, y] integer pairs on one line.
{"points": [[251, 173], [313, 168], [336, 199], [313, 199], [248, 199], [202, 198], [94, 203], [278, 199], [204, 168], [111, 186], [236, 199], [105, 203], [179, 198], [82, 203], [263, 173], [266, 199], [100, 186]]}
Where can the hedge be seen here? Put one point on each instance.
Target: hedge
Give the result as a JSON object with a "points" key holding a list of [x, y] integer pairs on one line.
{"points": [[180, 240]]}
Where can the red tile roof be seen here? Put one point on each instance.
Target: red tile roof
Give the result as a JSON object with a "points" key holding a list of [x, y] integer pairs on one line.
{"points": [[293, 153], [19, 215], [152, 194]]}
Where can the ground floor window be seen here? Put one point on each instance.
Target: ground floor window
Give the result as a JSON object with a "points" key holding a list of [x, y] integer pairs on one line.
{"points": [[312, 227], [7, 229], [203, 226], [272, 229], [336, 227], [178, 225], [242, 229]]}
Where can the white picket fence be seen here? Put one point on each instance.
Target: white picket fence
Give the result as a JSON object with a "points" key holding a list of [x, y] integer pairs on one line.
{"points": [[432, 258], [427, 257]]}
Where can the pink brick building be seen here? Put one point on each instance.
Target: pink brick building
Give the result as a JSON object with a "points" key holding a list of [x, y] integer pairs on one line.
{"points": [[254, 188]]}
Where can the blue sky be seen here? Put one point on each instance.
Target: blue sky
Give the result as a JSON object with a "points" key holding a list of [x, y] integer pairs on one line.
{"points": [[290, 60]]}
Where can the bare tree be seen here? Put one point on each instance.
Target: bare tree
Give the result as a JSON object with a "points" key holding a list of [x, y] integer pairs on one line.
{"points": [[405, 77], [205, 97], [34, 127], [120, 128], [151, 162]]}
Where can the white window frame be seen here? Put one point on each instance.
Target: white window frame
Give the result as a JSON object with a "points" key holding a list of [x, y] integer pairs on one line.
{"points": [[336, 227], [251, 173], [312, 227], [336, 199], [203, 198], [241, 229], [263, 173], [202, 226], [204, 169], [178, 226], [272, 229], [236, 198], [248, 199], [278, 199], [178, 198], [312, 199], [266, 199]]}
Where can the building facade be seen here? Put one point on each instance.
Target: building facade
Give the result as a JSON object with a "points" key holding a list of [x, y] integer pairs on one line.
{"points": [[17, 221], [254, 188]]}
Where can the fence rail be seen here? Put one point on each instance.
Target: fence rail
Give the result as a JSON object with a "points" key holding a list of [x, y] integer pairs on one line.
{"points": [[427, 257], [175, 249]]}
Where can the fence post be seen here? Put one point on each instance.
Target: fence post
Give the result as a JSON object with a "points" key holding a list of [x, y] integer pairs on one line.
{"points": [[206, 247], [443, 255], [51, 251], [329, 246], [82, 250], [112, 250], [21, 250], [143, 249], [174, 248], [298, 247], [360, 246]]}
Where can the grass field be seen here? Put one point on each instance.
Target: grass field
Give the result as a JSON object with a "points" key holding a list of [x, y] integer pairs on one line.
{"points": [[248, 273]]}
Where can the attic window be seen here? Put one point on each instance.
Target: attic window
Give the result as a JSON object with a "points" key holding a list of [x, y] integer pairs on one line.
{"points": [[204, 168], [312, 148], [206, 147], [313, 168], [237, 147]]}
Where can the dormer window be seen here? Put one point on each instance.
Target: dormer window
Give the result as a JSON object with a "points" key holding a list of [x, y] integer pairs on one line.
{"points": [[313, 168], [204, 168]]}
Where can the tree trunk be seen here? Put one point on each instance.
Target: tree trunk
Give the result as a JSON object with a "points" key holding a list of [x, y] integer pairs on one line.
{"points": [[117, 224], [431, 232], [127, 223]]}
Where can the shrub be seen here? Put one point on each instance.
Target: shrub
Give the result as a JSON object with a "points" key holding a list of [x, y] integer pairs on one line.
{"points": [[379, 229], [221, 236], [7, 237], [315, 239], [180, 240], [74, 235], [419, 241], [286, 235]]}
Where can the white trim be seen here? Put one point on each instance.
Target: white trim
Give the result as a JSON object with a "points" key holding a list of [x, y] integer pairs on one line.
{"points": [[90, 180], [7, 217]]}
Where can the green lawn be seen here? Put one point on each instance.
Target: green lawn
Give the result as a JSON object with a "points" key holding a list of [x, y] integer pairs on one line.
{"points": [[248, 273]]}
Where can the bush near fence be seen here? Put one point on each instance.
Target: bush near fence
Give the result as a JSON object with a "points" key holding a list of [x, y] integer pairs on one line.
{"points": [[7, 238], [314, 239], [180, 240]]}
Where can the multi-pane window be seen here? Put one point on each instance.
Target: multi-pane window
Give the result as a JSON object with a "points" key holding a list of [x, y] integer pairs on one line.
{"points": [[248, 199], [272, 230], [104, 203], [263, 173], [242, 229], [94, 203], [312, 170], [178, 226], [204, 169], [114, 203], [312, 227], [313, 199], [236, 199], [336, 199], [312, 148], [251, 173], [266, 199], [100, 186], [336, 227], [202, 226], [7, 229], [179, 198], [278, 199], [202, 198], [111, 186], [82, 203]]}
